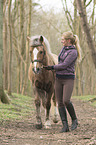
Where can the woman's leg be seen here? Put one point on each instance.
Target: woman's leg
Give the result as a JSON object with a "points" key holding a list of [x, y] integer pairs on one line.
{"points": [[59, 92], [68, 85], [72, 113], [61, 107], [67, 93]]}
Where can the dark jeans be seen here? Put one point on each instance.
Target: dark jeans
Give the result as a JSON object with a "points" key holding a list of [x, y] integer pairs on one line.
{"points": [[63, 91]]}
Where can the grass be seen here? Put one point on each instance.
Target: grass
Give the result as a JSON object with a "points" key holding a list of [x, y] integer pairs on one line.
{"points": [[87, 98], [20, 107], [23, 106]]}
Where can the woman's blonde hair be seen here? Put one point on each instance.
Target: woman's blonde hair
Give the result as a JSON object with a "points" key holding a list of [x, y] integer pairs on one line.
{"points": [[74, 40]]}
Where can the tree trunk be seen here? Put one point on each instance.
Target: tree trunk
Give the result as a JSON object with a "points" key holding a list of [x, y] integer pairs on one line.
{"points": [[22, 41], [3, 96], [75, 18], [18, 60], [10, 49], [5, 51], [87, 30], [27, 49]]}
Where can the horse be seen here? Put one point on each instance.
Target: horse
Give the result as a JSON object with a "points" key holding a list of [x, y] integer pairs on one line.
{"points": [[42, 80]]}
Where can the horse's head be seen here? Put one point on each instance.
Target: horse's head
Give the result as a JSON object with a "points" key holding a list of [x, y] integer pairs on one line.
{"points": [[37, 53]]}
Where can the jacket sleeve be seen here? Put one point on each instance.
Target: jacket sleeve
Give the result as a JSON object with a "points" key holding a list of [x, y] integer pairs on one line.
{"points": [[72, 56]]}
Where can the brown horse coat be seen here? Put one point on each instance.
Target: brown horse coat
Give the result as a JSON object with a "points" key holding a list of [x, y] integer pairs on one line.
{"points": [[42, 80]]}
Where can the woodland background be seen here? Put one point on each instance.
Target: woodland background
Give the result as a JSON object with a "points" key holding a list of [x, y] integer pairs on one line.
{"points": [[22, 18]]}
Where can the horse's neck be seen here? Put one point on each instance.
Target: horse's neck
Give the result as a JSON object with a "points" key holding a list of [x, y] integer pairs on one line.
{"points": [[49, 59], [46, 60]]}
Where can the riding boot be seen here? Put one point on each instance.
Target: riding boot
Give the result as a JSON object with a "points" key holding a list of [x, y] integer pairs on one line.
{"points": [[71, 111], [63, 116]]}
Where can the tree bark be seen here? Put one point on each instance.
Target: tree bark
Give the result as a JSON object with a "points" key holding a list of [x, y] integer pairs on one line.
{"points": [[3, 96], [22, 42], [87, 30], [5, 51], [18, 60], [10, 49]]}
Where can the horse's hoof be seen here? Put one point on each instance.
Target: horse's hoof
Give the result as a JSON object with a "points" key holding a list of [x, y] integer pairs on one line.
{"points": [[47, 124], [47, 127], [39, 126], [55, 120]]}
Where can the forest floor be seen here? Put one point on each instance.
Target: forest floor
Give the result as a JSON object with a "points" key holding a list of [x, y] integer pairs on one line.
{"points": [[23, 132]]}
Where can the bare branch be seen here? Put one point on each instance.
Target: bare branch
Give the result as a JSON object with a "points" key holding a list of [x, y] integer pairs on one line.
{"points": [[88, 3], [66, 11]]}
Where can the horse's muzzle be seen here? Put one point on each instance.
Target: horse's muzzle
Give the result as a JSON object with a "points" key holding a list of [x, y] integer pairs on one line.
{"points": [[37, 70]]}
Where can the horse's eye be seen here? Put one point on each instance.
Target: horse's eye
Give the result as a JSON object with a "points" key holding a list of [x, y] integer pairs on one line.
{"points": [[41, 52]]}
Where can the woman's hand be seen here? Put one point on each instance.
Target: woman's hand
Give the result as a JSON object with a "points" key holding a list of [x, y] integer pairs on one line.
{"points": [[49, 67]]}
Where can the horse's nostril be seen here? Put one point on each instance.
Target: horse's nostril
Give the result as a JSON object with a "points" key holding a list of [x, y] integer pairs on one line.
{"points": [[34, 70], [38, 69]]}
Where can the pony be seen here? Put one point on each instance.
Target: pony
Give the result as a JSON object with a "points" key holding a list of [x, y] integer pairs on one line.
{"points": [[42, 80]]}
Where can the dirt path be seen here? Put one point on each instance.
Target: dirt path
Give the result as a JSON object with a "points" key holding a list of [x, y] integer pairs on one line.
{"points": [[25, 133]]}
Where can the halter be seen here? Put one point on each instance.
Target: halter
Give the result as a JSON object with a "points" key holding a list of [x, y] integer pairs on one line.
{"points": [[36, 60]]}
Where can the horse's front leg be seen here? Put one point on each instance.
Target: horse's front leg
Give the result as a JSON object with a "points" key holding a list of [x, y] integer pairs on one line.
{"points": [[47, 110], [38, 114]]}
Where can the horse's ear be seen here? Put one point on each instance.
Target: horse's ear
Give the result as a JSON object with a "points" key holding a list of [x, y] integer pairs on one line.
{"points": [[41, 39]]}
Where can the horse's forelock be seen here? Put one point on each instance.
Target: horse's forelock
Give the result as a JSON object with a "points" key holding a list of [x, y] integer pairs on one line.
{"points": [[35, 40]]}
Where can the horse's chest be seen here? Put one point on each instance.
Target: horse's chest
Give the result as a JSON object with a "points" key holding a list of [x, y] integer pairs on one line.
{"points": [[43, 86]]}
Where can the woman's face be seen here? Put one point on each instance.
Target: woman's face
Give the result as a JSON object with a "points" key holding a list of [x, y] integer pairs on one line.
{"points": [[65, 42]]}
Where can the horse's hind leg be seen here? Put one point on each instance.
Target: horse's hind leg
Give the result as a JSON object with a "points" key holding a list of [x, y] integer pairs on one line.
{"points": [[38, 117]]}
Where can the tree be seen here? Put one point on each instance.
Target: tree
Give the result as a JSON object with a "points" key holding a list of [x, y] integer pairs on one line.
{"points": [[82, 12], [10, 48], [3, 96], [27, 48], [5, 50]]}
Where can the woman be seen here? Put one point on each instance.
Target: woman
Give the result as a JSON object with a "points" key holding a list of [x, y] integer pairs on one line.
{"points": [[65, 75]]}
